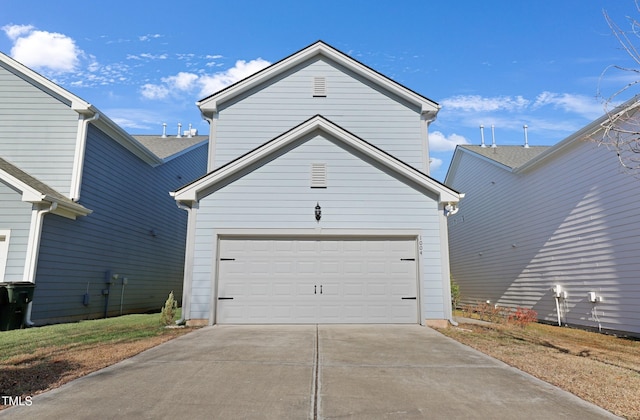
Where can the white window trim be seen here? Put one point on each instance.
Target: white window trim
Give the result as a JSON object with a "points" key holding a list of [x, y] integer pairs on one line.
{"points": [[5, 235]]}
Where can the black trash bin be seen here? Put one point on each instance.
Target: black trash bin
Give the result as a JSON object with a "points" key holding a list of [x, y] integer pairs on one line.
{"points": [[14, 298]]}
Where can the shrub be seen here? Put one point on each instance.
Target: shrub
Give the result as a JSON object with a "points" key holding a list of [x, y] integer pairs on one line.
{"points": [[455, 294], [168, 313], [522, 317], [486, 312]]}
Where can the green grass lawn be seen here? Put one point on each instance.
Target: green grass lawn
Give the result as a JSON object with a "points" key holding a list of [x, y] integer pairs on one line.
{"points": [[100, 331]]}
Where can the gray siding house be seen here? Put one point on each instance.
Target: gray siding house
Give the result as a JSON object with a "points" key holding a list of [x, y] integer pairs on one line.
{"points": [[84, 211], [556, 229], [318, 206]]}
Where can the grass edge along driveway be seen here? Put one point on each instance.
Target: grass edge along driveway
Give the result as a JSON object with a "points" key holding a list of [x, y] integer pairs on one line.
{"points": [[35, 360]]}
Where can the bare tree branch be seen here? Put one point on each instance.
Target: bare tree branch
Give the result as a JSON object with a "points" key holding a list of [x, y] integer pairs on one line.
{"points": [[621, 130]]}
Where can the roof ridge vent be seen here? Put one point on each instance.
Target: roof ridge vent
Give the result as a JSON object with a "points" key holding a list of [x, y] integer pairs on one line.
{"points": [[493, 136], [526, 138]]}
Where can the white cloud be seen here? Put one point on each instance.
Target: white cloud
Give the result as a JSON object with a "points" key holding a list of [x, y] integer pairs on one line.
{"points": [[15, 31], [587, 106], [206, 84], [181, 81], [435, 164], [151, 91], [41, 49], [213, 83], [438, 142], [479, 103], [148, 37]]}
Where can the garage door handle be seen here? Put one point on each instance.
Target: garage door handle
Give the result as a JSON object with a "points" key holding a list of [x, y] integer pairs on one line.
{"points": [[225, 298], [409, 298]]}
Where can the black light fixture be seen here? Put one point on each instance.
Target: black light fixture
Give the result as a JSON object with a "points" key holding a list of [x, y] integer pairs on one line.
{"points": [[318, 212]]}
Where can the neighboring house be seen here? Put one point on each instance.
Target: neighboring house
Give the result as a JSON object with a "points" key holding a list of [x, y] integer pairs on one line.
{"points": [[556, 229], [318, 206], [84, 205]]}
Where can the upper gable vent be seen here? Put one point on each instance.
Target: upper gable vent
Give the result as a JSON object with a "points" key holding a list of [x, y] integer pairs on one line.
{"points": [[318, 175], [319, 87]]}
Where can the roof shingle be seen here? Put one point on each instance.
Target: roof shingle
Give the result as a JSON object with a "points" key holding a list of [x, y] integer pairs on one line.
{"points": [[510, 156]]}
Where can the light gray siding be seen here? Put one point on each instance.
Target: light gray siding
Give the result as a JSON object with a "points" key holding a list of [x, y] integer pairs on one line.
{"points": [[571, 220], [37, 131], [359, 198], [351, 102], [136, 230], [15, 215]]}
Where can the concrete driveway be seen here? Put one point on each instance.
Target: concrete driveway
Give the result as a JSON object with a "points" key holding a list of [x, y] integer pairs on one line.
{"points": [[307, 372]]}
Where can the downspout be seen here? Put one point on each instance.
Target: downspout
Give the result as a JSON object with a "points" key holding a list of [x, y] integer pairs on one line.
{"points": [[426, 118], [188, 261], [212, 138], [449, 210], [78, 160], [33, 248]]}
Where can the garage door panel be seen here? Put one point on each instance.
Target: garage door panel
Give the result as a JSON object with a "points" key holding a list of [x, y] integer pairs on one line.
{"points": [[317, 281]]}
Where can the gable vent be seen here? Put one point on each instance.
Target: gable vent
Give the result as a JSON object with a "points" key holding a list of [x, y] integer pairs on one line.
{"points": [[319, 87], [318, 175]]}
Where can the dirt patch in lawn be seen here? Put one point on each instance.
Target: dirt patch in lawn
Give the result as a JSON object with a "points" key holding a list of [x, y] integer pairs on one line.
{"points": [[599, 368], [49, 368]]}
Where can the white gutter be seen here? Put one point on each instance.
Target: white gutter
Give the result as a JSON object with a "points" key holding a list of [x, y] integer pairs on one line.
{"points": [[426, 118], [188, 261], [212, 138], [78, 160], [449, 210], [35, 234]]}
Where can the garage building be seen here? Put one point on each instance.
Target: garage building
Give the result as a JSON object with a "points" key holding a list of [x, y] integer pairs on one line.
{"points": [[318, 206]]}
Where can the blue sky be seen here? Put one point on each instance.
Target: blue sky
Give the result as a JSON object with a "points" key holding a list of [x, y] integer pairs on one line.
{"points": [[502, 62]]}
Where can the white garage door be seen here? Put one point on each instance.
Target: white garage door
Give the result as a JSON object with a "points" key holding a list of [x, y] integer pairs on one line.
{"points": [[317, 281]]}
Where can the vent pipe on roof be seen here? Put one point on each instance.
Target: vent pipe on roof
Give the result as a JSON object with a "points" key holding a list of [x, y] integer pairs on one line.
{"points": [[526, 138], [190, 133], [493, 136], [482, 136], [179, 129], [164, 130]]}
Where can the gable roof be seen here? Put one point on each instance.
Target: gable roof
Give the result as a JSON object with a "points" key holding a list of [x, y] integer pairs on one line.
{"points": [[88, 111], [518, 159], [35, 191], [170, 147], [222, 176], [210, 104], [591, 132]]}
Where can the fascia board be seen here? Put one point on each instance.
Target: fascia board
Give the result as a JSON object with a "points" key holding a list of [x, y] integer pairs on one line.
{"points": [[190, 193], [24, 72], [445, 194], [31, 195], [67, 209], [210, 104], [80, 106], [126, 140], [588, 131]]}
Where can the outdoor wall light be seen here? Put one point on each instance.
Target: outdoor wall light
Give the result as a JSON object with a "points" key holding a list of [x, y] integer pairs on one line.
{"points": [[318, 212]]}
